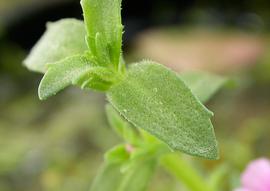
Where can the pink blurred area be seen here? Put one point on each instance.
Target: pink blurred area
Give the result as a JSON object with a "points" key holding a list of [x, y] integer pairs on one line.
{"points": [[256, 177], [201, 49]]}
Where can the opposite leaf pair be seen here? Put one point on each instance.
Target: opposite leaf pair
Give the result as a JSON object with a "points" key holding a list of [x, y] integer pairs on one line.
{"points": [[148, 95], [86, 55]]}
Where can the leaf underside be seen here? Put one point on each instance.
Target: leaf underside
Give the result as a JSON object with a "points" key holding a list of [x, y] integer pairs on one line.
{"points": [[154, 98], [62, 39]]}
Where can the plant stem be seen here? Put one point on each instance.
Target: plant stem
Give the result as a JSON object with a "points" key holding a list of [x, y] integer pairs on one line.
{"points": [[183, 172]]}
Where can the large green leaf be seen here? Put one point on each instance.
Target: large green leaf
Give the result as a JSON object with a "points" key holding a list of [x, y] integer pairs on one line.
{"points": [[62, 39], [104, 30], [154, 98], [62, 74], [203, 85]]}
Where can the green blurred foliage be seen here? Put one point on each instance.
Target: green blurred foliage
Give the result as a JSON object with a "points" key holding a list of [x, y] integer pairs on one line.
{"points": [[10, 57], [52, 146]]}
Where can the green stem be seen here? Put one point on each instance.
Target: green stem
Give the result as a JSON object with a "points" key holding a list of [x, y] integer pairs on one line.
{"points": [[185, 173]]}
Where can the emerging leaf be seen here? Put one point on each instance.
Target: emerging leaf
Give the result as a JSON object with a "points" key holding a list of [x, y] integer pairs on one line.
{"points": [[104, 30], [97, 78], [64, 38], [202, 84], [154, 98], [62, 74], [118, 154]]}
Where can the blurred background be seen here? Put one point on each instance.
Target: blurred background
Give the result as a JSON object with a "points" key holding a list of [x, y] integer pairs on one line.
{"points": [[59, 144]]}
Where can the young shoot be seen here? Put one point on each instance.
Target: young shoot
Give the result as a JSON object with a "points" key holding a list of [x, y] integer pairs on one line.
{"points": [[162, 111]]}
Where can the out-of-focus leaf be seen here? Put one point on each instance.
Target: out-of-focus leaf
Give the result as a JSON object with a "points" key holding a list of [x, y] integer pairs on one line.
{"points": [[109, 178], [121, 127], [117, 154], [154, 98], [64, 38], [218, 175], [104, 30], [202, 84], [137, 178], [62, 74]]}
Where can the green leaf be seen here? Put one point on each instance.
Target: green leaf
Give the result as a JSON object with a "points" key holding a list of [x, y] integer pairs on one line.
{"points": [[203, 85], [117, 154], [104, 30], [62, 74], [64, 38], [97, 78], [154, 98], [111, 178], [138, 178]]}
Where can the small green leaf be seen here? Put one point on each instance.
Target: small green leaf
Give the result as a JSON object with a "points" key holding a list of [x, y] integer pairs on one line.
{"points": [[64, 38], [117, 154], [104, 30], [62, 74], [154, 98], [202, 84], [97, 78], [218, 175], [109, 178], [136, 178]]}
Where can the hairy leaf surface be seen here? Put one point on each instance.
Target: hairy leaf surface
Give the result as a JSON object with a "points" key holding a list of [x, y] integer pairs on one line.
{"points": [[202, 84], [62, 74], [64, 38], [154, 98], [97, 78]]}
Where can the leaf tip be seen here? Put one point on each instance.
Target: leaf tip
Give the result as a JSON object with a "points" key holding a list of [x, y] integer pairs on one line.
{"points": [[41, 94], [212, 154], [44, 91]]}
